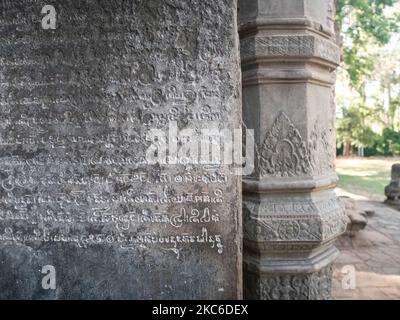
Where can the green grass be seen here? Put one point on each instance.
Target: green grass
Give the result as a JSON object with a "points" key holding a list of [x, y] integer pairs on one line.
{"points": [[367, 177]]}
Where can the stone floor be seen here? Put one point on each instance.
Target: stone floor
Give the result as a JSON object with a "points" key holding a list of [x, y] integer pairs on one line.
{"points": [[374, 255]]}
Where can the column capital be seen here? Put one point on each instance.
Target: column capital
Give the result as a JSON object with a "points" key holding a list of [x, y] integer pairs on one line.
{"points": [[287, 15]]}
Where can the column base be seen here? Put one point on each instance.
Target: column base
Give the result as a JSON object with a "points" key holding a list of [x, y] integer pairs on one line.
{"points": [[289, 279]]}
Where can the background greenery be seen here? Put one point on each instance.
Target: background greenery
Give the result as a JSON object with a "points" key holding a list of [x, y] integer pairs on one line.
{"points": [[368, 91]]}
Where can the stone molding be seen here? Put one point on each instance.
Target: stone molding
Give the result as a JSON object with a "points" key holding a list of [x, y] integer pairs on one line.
{"points": [[309, 286], [283, 47], [294, 221]]}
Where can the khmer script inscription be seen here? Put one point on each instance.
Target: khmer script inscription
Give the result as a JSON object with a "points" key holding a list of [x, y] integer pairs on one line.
{"points": [[76, 105]]}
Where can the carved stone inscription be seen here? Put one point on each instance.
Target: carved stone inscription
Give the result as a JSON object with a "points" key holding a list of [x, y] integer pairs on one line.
{"points": [[76, 192]]}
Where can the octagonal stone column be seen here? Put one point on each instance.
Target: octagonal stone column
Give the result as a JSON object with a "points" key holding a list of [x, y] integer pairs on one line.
{"points": [[291, 213]]}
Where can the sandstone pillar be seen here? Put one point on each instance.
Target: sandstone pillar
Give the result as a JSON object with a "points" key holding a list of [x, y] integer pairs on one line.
{"points": [[392, 191], [291, 213]]}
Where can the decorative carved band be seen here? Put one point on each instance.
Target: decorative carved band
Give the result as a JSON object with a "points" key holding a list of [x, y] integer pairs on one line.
{"points": [[312, 286], [304, 220], [299, 46]]}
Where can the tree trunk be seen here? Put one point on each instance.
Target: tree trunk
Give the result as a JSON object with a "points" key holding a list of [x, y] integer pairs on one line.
{"points": [[347, 150]]}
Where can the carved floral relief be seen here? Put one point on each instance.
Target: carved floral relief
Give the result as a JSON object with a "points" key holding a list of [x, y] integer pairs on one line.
{"points": [[284, 153]]}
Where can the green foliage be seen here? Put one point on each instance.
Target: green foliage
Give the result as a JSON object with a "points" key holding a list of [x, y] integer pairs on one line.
{"points": [[358, 67], [386, 144], [366, 26], [390, 143], [369, 19], [352, 127], [363, 23]]}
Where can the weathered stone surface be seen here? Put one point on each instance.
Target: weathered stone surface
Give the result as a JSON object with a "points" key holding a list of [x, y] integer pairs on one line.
{"points": [[302, 286], [392, 191], [291, 216], [76, 192], [357, 222], [357, 219]]}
